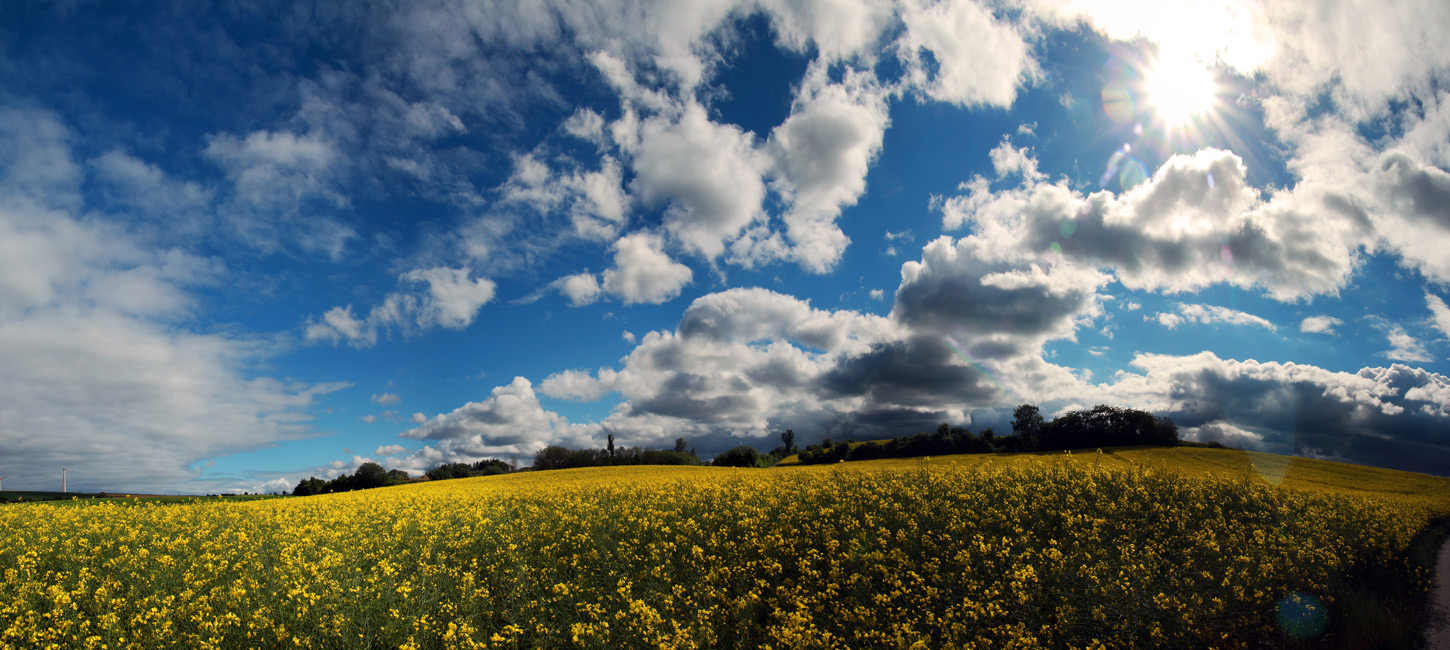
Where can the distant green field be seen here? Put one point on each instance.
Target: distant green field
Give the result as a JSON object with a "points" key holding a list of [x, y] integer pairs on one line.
{"points": [[12, 496], [65, 498]]}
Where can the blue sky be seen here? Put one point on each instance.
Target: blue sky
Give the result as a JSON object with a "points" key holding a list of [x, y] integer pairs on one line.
{"points": [[244, 243]]}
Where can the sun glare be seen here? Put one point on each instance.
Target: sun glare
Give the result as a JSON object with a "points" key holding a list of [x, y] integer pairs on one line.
{"points": [[1180, 90]]}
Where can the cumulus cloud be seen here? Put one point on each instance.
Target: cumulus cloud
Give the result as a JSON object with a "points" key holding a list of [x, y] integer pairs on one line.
{"points": [[389, 450], [1390, 417], [510, 421], [1195, 223], [449, 298], [1208, 315], [581, 289], [642, 272], [595, 200], [746, 362], [1438, 312], [1320, 325], [1415, 213], [822, 153], [708, 175], [1405, 347], [994, 309], [979, 58], [385, 399]]}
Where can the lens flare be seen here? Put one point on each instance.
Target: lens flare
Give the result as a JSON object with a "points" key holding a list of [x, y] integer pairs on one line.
{"points": [[1303, 616], [991, 377]]}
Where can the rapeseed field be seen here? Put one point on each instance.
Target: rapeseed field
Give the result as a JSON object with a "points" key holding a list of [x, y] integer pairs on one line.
{"points": [[1126, 549]]}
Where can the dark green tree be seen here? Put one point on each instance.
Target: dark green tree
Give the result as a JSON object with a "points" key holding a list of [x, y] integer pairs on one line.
{"points": [[1027, 425], [553, 457], [742, 456], [309, 486]]}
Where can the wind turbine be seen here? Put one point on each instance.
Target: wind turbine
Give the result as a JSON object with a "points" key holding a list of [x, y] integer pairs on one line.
{"points": [[62, 479], [2, 480]]}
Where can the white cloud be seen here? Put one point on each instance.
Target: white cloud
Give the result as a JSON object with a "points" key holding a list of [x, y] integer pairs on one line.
{"points": [[585, 124], [389, 450], [1195, 223], [451, 300], [369, 418], [1439, 312], [510, 421], [150, 193], [1320, 325], [1414, 214], [419, 418], [385, 399], [595, 201], [1405, 347], [35, 161], [642, 272], [103, 376], [878, 294], [1169, 320], [1008, 161], [838, 29], [276, 175], [628, 336], [708, 175], [994, 309], [578, 385], [980, 59], [582, 289], [822, 154], [1210, 314]]}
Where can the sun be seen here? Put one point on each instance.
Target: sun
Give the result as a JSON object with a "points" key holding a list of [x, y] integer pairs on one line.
{"points": [[1180, 90]]}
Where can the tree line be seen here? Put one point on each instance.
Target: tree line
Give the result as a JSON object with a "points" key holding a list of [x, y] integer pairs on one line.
{"points": [[1100, 426], [372, 475]]}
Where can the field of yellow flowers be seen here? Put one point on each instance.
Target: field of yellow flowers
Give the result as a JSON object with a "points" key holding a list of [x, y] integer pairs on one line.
{"points": [[1125, 549]]}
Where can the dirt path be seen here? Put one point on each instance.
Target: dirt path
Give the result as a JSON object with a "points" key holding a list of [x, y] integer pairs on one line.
{"points": [[1437, 631]]}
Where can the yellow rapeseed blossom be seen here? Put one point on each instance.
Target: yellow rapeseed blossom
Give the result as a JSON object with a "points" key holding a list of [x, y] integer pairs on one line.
{"points": [[1121, 549]]}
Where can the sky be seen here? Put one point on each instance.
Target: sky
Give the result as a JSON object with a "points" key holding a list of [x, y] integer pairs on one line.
{"points": [[243, 243]]}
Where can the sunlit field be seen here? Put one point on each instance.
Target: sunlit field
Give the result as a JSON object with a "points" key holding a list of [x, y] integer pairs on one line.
{"points": [[1133, 548]]}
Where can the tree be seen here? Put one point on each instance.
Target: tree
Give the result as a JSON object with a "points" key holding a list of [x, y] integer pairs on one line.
{"points": [[788, 440], [742, 456], [369, 475], [611, 448], [1027, 424], [680, 445], [309, 486], [553, 457]]}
